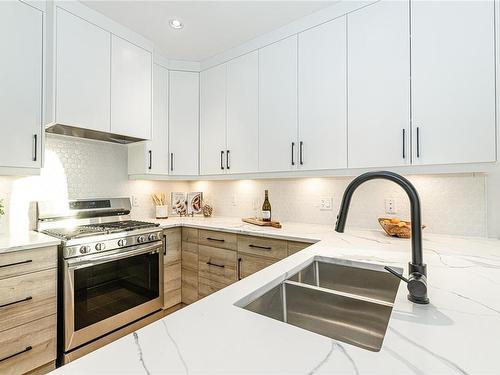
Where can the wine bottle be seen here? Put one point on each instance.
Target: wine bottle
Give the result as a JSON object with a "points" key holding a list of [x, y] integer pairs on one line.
{"points": [[266, 207]]}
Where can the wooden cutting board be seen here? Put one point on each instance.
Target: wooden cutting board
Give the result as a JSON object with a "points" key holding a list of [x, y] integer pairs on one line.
{"points": [[261, 223]]}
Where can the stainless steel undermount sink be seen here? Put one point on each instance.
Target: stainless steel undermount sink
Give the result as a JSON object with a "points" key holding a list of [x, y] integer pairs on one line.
{"points": [[347, 301]]}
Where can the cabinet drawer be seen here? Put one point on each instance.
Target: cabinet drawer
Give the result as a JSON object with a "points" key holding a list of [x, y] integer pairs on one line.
{"points": [[172, 245], [26, 298], [190, 235], [221, 240], [217, 268], [25, 261], [295, 247], [249, 264], [172, 285], [262, 246], [29, 346]]}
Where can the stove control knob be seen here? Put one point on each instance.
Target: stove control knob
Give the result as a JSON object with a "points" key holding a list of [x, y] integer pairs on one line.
{"points": [[152, 237], [141, 239], [84, 249], [100, 246], [122, 242]]}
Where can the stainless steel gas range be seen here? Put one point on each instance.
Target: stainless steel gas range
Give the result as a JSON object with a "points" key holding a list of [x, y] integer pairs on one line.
{"points": [[110, 268]]}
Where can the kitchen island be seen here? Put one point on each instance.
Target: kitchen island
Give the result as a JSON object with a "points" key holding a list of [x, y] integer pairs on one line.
{"points": [[456, 333]]}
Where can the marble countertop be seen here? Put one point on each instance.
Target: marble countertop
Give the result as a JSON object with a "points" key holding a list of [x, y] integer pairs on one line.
{"points": [[457, 333], [25, 240]]}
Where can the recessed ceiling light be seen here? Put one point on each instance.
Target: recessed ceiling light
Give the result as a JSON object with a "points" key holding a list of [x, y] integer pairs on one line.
{"points": [[176, 24]]}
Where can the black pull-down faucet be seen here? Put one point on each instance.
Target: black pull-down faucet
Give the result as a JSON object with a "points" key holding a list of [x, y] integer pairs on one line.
{"points": [[417, 270]]}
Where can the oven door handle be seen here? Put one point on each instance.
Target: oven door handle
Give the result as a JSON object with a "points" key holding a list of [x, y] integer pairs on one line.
{"points": [[93, 260]]}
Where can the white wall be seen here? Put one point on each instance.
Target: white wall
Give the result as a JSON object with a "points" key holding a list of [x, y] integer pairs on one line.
{"points": [[463, 204], [76, 168], [451, 204]]}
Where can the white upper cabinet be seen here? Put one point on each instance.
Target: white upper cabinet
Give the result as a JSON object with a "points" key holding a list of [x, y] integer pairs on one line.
{"points": [[453, 82], [322, 96], [131, 78], [183, 123], [151, 157], [83, 73], [213, 121], [21, 30], [243, 114], [278, 106], [379, 85]]}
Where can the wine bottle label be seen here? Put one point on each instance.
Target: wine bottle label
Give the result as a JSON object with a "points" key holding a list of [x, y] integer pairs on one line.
{"points": [[266, 215]]}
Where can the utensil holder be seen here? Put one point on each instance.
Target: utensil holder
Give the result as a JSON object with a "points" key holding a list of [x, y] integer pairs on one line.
{"points": [[161, 212]]}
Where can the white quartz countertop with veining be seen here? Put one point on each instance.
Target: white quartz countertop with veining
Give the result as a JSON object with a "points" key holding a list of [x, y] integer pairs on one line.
{"points": [[25, 240], [457, 333]]}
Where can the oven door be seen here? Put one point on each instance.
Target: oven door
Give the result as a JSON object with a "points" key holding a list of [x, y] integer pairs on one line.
{"points": [[103, 292]]}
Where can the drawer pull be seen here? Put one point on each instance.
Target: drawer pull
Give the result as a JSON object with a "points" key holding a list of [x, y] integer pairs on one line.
{"points": [[28, 348], [239, 268], [261, 247], [17, 263], [215, 239], [215, 264], [13, 303]]}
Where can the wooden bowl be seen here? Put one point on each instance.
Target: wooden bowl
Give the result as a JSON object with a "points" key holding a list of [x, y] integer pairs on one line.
{"points": [[401, 229]]}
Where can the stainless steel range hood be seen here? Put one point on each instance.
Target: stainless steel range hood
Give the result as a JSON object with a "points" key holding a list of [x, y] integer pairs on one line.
{"points": [[74, 131]]}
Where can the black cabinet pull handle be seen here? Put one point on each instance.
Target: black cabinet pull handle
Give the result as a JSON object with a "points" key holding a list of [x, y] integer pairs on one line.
{"points": [[28, 348], [16, 264], [227, 159], [239, 268], [222, 160], [13, 303], [172, 161], [293, 148], [301, 160], [260, 247], [164, 245], [215, 239], [35, 146], [215, 264], [150, 159], [404, 144], [418, 142]]}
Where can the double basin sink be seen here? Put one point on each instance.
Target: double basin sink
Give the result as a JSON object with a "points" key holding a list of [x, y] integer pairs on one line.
{"points": [[344, 300]]}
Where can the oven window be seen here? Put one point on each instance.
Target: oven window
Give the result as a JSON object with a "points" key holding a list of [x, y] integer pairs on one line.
{"points": [[107, 289]]}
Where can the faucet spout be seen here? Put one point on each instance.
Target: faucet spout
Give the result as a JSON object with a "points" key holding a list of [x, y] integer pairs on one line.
{"points": [[417, 282]]}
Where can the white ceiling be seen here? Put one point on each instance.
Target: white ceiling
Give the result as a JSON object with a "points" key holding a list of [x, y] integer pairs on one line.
{"points": [[210, 27]]}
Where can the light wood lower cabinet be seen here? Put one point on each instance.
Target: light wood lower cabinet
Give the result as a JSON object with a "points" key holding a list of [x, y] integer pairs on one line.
{"points": [[172, 267], [28, 307], [27, 347], [27, 297], [249, 264], [217, 269], [295, 247], [218, 239], [189, 265], [261, 246]]}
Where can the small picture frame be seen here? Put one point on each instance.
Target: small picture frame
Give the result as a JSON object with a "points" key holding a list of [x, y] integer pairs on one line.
{"points": [[178, 203], [194, 202]]}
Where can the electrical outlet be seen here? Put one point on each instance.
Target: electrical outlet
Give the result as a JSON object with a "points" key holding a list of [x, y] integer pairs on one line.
{"points": [[325, 204], [135, 201], [390, 206]]}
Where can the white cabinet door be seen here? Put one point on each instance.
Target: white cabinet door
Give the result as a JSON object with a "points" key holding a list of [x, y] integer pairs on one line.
{"points": [[213, 120], [379, 85], [158, 153], [131, 81], [83, 73], [278, 106], [322, 96], [453, 81], [243, 113], [183, 123], [21, 33]]}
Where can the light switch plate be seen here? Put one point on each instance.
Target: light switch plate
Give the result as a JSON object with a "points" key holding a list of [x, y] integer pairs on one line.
{"points": [[326, 204]]}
